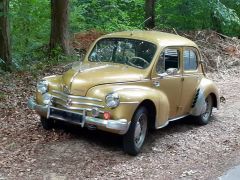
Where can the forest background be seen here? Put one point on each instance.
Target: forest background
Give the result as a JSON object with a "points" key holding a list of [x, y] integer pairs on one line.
{"points": [[31, 23]]}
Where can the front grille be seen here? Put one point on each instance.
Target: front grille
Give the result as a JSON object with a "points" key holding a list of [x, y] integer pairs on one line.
{"points": [[76, 103]]}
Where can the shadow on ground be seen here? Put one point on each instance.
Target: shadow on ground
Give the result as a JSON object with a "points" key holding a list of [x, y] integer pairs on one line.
{"points": [[113, 142]]}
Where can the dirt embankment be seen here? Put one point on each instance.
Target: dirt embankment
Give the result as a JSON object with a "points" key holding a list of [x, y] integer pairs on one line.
{"points": [[182, 150]]}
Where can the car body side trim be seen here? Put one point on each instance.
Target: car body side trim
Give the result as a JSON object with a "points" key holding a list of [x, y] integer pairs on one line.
{"points": [[171, 120]]}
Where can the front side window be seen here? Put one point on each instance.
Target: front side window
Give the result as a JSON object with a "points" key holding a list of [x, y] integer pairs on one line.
{"points": [[190, 60], [169, 58], [136, 53]]}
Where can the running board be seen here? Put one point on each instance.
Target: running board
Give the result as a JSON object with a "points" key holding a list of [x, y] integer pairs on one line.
{"points": [[171, 120]]}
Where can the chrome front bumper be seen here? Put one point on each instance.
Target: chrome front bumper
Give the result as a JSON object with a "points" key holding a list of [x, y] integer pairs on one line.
{"points": [[119, 126]]}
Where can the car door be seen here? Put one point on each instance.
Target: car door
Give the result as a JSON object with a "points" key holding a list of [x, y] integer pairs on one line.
{"points": [[167, 77], [190, 79]]}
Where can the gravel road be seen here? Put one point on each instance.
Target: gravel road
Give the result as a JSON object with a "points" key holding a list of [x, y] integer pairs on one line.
{"points": [[182, 150]]}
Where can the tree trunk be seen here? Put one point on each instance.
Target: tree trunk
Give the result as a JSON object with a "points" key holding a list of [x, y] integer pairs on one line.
{"points": [[59, 26], [5, 52], [150, 13]]}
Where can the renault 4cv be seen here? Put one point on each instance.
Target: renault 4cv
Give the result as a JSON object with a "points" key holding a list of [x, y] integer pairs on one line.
{"points": [[130, 82]]}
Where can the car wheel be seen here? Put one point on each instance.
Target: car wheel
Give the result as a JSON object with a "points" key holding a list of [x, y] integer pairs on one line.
{"points": [[204, 118], [134, 139], [47, 124]]}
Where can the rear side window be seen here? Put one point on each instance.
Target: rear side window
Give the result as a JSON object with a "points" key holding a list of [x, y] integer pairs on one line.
{"points": [[169, 59], [190, 60]]}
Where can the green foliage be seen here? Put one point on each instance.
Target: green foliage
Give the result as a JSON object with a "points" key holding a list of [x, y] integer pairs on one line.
{"points": [[2, 96], [106, 15], [30, 29], [227, 20], [30, 22], [198, 14], [115, 15], [232, 4], [183, 14], [2, 65]]}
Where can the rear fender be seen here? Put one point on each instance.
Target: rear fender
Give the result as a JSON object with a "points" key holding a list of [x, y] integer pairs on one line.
{"points": [[206, 88]]}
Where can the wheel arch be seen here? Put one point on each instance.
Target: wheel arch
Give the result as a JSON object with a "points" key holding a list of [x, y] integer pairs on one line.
{"points": [[214, 98], [213, 91], [152, 112], [206, 88]]}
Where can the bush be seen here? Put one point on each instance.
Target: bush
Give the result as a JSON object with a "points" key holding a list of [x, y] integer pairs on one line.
{"points": [[225, 20]]}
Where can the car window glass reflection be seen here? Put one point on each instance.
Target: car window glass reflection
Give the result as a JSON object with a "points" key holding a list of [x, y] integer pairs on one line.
{"points": [[132, 52], [190, 60]]}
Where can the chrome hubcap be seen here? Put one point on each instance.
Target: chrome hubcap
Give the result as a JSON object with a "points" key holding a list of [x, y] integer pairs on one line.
{"points": [[140, 130], [208, 109]]}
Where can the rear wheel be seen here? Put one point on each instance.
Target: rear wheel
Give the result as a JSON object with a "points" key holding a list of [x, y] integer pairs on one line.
{"points": [[135, 137], [204, 118], [47, 124]]}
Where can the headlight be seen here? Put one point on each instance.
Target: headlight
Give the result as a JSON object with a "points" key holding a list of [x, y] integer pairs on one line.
{"points": [[112, 100], [47, 98], [42, 86]]}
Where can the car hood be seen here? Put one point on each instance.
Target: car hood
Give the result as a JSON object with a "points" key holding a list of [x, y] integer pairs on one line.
{"points": [[81, 78]]}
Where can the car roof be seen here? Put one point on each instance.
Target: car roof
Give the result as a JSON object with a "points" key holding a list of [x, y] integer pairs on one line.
{"points": [[161, 38]]}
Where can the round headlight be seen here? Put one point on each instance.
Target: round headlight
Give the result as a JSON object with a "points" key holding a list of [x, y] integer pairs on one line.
{"points": [[42, 86], [47, 98], [112, 100]]}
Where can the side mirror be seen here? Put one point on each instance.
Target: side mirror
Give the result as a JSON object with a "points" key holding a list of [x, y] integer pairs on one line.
{"points": [[172, 71]]}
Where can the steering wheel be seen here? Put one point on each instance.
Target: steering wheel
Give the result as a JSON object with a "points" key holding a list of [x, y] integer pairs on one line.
{"points": [[143, 60]]}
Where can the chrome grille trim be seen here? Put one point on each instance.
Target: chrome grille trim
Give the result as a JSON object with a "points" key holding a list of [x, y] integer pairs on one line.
{"points": [[77, 103], [76, 108], [76, 97], [87, 104]]}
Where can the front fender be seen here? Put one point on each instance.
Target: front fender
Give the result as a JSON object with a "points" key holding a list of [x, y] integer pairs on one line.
{"points": [[131, 96], [54, 83]]}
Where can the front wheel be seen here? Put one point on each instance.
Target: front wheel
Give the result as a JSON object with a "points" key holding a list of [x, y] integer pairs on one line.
{"points": [[135, 137], [204, 118]]}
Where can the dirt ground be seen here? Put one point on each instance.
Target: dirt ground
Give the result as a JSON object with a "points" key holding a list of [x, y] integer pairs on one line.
{"points": [[182, 150]]}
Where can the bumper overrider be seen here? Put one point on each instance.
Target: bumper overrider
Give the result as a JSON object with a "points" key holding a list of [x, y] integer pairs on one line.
{"points": [[119, 126]]}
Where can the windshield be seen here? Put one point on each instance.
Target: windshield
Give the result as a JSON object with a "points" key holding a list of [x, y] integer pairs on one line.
{"points": [[136, 53]]}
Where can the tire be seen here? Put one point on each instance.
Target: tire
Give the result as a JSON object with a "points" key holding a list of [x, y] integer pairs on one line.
{"points": [[47, 124], [204, 118], [134, 139]]}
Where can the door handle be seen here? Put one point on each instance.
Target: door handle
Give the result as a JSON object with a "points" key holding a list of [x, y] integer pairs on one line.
{"points": [[182, 78]]}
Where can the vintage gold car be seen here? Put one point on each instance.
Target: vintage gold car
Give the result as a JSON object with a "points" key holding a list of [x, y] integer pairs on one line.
{"points": [[130, 82]]}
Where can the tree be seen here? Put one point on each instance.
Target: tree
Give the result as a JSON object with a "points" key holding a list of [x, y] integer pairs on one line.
{"points": [[150, 14], [5, 52], [59, 26]]}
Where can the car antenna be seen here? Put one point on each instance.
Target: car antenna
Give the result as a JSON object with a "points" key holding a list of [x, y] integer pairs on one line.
{"points": [[142, 23]]}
